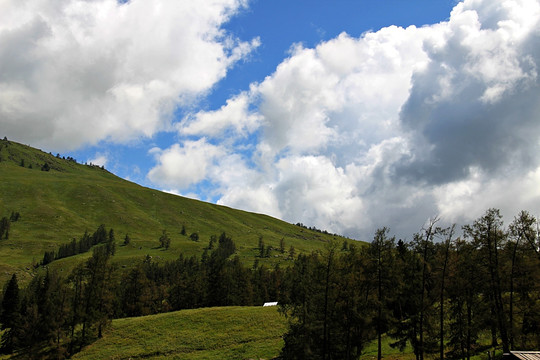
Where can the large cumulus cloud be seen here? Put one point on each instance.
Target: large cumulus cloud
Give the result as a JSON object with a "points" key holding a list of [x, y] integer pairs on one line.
{"points": [[474, 105], [393, 127], [75, 72]]}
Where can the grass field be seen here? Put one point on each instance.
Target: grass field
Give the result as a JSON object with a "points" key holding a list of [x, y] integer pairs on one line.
{"points": [[211, 333], [60, 204]]}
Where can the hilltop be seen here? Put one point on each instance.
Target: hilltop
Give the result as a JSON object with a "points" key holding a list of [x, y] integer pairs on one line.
{"points": [[58, 199]]}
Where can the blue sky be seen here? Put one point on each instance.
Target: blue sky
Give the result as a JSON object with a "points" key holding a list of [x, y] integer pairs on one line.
{"points": [[344, 115]]}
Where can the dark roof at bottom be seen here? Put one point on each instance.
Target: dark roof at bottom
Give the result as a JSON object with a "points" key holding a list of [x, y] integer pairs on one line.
{"points": [[525, 355]]}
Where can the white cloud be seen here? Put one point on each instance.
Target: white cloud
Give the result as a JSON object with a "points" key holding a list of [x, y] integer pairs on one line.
{"points": [[74, 72], [512, 192], [179, 167], [100, 160], [319, 193], [391, 128], [235, 114]]}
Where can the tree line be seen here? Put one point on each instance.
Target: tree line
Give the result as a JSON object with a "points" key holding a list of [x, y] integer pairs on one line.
{"points": [[84, 244], [54, 316], [439, 293]]}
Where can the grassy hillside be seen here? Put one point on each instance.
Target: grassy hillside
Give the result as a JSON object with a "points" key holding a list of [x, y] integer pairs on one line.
{"points": [[212, 333], [61, 203]]}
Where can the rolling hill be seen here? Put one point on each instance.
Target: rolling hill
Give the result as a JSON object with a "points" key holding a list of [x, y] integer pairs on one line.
{"points": [[211, 333], [59, 199]]}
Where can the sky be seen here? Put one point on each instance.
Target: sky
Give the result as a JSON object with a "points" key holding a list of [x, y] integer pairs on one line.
{"points": [[346, 115]]}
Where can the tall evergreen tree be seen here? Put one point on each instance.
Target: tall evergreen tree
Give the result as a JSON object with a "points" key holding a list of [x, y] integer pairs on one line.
{"points": [[381, 265], [111, 243], [443, 252], [95, 297], [127, 240], [10, 316], [164, 240], [488, 234], [4, 228]]}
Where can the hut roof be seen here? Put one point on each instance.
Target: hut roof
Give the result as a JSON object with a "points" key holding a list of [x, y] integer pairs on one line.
{"points": [[524, 355]]}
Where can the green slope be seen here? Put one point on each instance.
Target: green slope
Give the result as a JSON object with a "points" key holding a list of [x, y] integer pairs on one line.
{"points": [[211, 333], [60, 204], [214, 333]]}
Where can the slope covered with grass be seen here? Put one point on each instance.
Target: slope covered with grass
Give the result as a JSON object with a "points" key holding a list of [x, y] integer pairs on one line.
{"points": [[212, 333], [59, 199]]}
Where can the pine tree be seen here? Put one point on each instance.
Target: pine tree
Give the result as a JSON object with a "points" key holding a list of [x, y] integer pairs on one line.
{"points": [[381, 265], [213, 240], [10, 315], [96, 299], [488, 234], [164, 240], [111, 243], [291, 252], [261, 247], [4, 228]]}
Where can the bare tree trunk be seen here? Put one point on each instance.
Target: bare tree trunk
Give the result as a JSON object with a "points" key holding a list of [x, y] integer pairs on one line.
{"points": [[441, 298], [379, 295], [511, 310]]}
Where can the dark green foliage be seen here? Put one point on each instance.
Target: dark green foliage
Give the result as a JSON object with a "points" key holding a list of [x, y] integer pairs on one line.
{"points": [[292, 252], [164, 240], [219, 281], [84, 244], [261, 247], [4, 228], [329, 307], [97, 295], [282, 246], [436, 294], [127, 240], [136, 293], [226, 246], [188, 285], [40, 318], [183, 231], [380, 267], [336, 301], [487, 233], [213, 240], [466, 308], [194, 236], [521, 255], [15, 216], [48, 258], [111, 243], [45, 167], [10, 315]]}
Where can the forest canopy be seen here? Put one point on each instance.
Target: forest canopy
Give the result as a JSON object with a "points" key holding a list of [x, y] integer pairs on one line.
{"points": [[440, 294]]}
